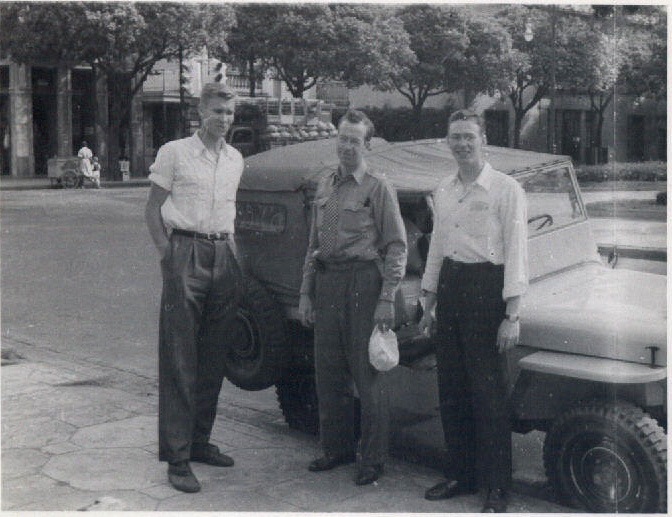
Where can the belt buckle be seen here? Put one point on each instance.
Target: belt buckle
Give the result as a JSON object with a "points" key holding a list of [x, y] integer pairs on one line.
{"points": [[212, 236]]}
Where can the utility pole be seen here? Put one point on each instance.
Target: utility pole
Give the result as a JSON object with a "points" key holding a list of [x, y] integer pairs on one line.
{"points": [[551, 106]]}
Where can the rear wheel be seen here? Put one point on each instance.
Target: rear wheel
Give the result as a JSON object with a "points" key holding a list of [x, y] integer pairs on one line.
{"points": [[256, 350], [608, 458]]}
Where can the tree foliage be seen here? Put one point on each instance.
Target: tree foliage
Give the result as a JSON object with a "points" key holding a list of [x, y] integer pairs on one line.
{"points": [[122, 40]]}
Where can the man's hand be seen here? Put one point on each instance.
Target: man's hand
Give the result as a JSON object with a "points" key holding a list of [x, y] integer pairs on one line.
{"points": [[384, 315], [507, 335], [427, 320], [425, 324], [306, 311]]}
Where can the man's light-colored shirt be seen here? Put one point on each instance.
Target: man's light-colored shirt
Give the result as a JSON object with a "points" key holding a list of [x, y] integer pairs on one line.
{"points": [[370, 227], [485, 221], [202, 186]]}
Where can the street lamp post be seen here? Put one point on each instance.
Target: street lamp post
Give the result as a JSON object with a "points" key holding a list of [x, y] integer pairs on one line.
{"points": [[551, 105]]}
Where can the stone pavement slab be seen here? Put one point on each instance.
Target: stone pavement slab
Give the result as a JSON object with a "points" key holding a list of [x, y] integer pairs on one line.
{"points": [[78, 436]]}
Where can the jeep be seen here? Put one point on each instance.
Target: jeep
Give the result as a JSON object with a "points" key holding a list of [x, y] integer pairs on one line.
{"points": [[590, 369]]}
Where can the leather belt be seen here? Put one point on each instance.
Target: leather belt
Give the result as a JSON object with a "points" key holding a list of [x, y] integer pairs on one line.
{"points": [[215, 236], [346, 265]]}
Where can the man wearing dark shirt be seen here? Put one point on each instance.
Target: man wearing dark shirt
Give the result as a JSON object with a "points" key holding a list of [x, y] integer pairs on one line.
{"points": [[356, 257]]}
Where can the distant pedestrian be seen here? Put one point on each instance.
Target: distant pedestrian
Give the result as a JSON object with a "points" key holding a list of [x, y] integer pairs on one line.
{"points": [[95, 172], [475, 275], [190, 214], [85, 154], [355, 260]]}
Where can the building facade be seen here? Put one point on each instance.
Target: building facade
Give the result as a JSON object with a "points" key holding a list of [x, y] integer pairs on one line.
{"points": [[47, 111]]}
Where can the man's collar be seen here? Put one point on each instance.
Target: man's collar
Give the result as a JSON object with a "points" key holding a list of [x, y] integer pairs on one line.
{"points": [[358, 173], [484, 178], [199, 147]]}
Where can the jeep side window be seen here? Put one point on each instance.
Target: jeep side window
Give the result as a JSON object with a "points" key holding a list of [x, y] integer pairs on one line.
{"points": [[552, 200]]}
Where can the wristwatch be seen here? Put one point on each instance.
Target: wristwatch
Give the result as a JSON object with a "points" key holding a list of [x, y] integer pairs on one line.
{"points": [[512, 319]]}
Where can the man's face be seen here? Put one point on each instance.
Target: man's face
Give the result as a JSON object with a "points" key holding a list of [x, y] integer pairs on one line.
{"points": [[217, 116], [465, 141], [351, 144]]}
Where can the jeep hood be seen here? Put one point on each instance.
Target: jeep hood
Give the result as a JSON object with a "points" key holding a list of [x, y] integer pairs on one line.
{"points": [[596, 311], [410, 166]]}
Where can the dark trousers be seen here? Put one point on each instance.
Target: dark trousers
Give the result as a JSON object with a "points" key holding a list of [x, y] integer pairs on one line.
{"points": [[201, 287], [472, 374], [345, 301]]}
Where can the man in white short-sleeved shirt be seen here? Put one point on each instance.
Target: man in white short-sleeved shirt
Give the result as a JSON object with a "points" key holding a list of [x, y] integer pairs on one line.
{"points": [[190, 214]]}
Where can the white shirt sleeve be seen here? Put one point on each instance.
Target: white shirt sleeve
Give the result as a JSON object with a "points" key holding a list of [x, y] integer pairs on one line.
{"points": [[162, 171], [430, 278], [514, 233]]}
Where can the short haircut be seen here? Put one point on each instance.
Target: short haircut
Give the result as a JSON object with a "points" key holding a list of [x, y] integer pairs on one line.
{"points": [[467, 115], [216, 90], [358, 117]]}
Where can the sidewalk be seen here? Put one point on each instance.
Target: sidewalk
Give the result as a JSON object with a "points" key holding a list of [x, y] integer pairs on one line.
{"points": [[78, 436]]}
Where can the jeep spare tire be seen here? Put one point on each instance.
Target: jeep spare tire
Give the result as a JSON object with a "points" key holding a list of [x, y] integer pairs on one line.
{"points": [[255, 346], [608, 458]]}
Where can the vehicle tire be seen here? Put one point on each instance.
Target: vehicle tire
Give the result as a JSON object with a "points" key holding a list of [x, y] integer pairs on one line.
{"points": [[608, 457], [298, 401], [69, 179], [256, 349]]}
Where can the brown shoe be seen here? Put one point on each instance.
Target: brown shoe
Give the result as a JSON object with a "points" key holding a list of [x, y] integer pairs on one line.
{"points": [[367, 474], [182, 478], [448, 489], [208, 453], [328, 462]]}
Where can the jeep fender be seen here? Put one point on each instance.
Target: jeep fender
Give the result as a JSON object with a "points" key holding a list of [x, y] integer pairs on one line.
{"points": [[549, 383]]}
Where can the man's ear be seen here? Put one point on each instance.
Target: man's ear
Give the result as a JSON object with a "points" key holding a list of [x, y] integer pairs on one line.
{"points": [[367, 144]]}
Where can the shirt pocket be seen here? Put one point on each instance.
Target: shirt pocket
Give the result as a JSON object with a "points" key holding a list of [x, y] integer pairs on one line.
{"points": [[356, 216]]}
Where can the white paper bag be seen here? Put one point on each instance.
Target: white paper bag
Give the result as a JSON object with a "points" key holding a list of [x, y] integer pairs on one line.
{"points": [[383, 350]]}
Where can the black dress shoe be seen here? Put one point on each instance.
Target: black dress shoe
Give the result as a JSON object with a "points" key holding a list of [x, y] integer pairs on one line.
{"points": [[367, 474], [448, 489], [182, 478], [208, 453], [496, 501], [328, 462]]}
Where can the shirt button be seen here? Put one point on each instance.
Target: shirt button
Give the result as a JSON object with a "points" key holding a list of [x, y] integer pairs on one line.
{"points": [[457, 226], [459, 201]]}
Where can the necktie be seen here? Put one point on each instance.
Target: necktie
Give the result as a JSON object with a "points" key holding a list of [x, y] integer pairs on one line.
{"points": [[330, 221]]}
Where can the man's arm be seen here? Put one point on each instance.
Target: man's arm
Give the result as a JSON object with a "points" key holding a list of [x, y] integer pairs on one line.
{"points": [[306, 311], [394, 248], [157, 230]]}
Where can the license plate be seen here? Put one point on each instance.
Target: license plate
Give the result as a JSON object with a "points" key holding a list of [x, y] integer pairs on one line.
{"points": [[260, 217]]}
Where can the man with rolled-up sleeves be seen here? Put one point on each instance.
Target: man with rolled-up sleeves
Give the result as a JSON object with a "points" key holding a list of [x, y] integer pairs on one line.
{"points": [[356, 257], [190, 214], [475, 275]]}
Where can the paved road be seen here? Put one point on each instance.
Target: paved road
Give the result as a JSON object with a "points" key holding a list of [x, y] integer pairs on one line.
{"points": [[80, 280]]}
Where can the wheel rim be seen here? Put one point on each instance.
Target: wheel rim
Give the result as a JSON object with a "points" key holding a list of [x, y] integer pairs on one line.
{"points": [[602, 474]]}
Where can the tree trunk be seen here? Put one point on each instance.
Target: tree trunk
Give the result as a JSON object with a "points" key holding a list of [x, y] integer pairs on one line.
{"points": [[120, 103], [517, 127]]}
